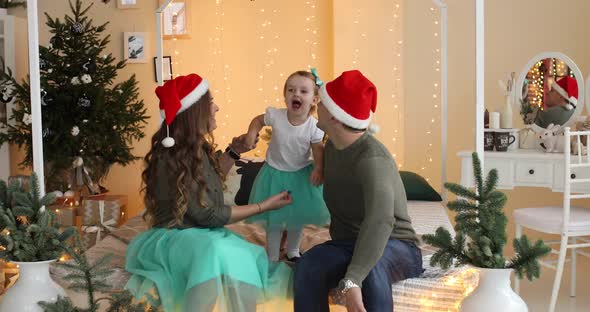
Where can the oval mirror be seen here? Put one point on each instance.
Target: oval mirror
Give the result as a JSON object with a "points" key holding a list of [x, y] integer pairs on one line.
{"points": [[550, 90]]}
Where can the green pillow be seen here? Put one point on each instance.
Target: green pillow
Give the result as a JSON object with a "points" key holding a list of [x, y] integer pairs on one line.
{"points": [[417, 188]]}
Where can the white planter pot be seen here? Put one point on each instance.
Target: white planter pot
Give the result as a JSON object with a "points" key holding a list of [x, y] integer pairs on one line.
{"points": [[3, 12], [493, 294], [33, 285]]}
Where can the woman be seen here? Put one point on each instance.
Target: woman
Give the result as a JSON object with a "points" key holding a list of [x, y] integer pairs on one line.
{"points": [[192, 260]]}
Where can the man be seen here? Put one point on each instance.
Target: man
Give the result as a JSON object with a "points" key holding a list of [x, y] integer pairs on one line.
{"points": [[373, 243], [561, 102]]}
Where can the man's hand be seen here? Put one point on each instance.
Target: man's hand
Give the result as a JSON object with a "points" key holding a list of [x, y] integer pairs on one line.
{"points": [[243, 143], [354, 300]]}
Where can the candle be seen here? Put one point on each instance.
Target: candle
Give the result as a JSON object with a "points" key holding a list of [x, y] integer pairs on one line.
{"points": [[495, 120]]}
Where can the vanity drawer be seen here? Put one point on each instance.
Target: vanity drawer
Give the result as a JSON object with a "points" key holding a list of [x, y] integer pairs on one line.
{"points": [[505, 172], [504, 168], [576, 173], [534, 173]]}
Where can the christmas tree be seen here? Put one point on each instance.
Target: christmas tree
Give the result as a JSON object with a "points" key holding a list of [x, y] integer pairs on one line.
{"points": [[87, 118], [481, 231], [28, 231]]}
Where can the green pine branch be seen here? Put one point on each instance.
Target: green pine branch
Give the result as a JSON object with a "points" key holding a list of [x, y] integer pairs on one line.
{"points": [[89, 277], [480, 224], [525, 261], [28, 231]]}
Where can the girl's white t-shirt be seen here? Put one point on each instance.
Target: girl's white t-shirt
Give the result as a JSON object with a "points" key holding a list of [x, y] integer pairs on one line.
{"points": [[290, 146]]}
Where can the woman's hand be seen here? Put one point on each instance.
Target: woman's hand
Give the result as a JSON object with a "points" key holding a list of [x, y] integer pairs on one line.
{"points": [[276, 201], [243, 143]]}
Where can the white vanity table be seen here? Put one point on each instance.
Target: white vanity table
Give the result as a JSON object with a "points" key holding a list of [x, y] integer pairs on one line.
{"points": [[525, 167], [533, 167]]}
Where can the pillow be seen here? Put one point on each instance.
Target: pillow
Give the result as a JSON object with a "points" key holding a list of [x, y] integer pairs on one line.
{"points": [[417, 188]]}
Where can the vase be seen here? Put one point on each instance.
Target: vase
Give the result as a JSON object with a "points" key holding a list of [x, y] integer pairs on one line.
{"points": [[33, 285], [528, 139], [506, 114], [3, 12], [493, 294]]}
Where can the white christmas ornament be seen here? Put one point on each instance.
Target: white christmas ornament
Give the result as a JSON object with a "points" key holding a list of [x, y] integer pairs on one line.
{"points": [[69, 193], [58, 193], [75, 130], [50, 70], [27, 119], [86, 78], [78, 162], [75, 81], [85, 121]]}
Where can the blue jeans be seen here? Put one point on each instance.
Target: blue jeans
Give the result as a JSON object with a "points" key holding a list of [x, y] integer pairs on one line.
{"points": [[322, 267]]}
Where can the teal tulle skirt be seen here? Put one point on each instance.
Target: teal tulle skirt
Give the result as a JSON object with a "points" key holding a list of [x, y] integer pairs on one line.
{"points": [[202, 269], [308, 205]]}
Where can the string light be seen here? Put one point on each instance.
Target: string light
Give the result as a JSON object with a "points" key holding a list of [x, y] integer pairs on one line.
{"points": [[396, 73], [435, 120], [537, 85]]}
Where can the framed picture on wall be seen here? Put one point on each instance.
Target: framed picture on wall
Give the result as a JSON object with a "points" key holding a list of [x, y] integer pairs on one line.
{"points": [[175, 19], [134, 47], [128, 4], [167, 68], [6, 98]]}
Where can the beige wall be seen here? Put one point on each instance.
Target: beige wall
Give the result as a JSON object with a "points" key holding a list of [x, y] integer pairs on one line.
{"points": [[234, 75], [247, 49], [515, 31], [368, 36], [512, 37]]}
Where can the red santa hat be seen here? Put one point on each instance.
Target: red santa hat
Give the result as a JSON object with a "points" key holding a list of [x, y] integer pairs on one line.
{"points": [[351, 99], [176, 96], [567, 87]]}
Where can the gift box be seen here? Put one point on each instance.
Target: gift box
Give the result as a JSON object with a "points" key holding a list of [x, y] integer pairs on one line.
{"points": [[99, 214], [113, 207], [64, 214]]}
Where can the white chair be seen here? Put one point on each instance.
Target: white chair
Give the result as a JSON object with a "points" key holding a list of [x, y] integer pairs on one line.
{"points": [[572, 223]]}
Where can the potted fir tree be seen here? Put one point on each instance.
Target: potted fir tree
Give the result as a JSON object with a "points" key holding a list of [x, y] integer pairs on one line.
{"points": [[30, 237], [480, 240]]}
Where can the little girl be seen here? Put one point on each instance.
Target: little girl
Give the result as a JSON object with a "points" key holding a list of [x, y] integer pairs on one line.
{"points": [[288, 166]]}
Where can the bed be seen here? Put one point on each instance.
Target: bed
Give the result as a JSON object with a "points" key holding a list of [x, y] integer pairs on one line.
{"points": [[434, 290]]}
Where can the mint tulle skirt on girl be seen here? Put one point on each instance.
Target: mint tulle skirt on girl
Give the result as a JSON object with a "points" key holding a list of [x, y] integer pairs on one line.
{"points": [[206, 269], [308, 205]]}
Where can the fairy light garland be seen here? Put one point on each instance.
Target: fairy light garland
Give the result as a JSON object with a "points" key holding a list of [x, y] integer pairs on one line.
{"points": [[396, 86], [435, 119]]}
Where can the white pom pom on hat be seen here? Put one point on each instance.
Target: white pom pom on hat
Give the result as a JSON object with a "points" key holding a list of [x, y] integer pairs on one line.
{"points": [[373, 128], [176, 96]]}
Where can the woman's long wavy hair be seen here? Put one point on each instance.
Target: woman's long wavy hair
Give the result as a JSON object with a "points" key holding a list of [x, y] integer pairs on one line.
{"points": [[183, 162]]}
